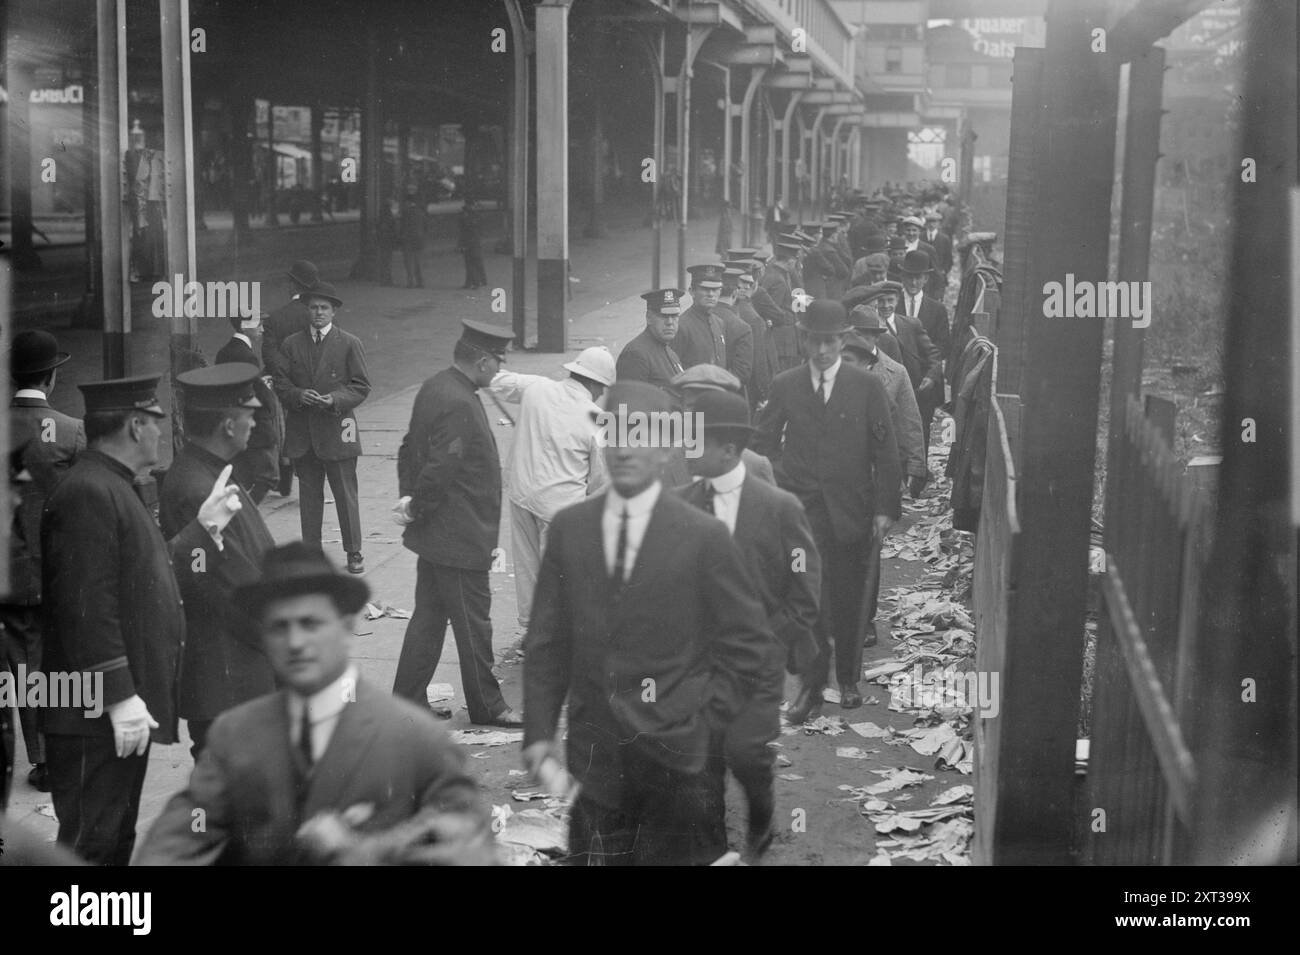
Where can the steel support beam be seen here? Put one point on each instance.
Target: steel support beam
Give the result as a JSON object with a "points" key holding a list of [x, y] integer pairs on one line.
{"points": [[552, 67], [521, 41], [110, 145], [787, 128], [178, 148], [746, 112]]}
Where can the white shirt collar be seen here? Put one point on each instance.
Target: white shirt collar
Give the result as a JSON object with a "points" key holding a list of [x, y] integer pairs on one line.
{"points": [[30, 393], [830, 373], [327, 702], [731, 481], [321, 332], [638, 506], [243, 338]]}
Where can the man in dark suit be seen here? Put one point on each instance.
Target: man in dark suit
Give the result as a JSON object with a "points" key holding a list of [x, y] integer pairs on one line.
{"points": [[701, 337], [932, 315], [778, 280], [223, 665], [113, 614], [328, 769], [321, 380], [917, 352], [942, 243], [449, 482], [55, 441], [830, 434], [695, 381], [257, 467], [645, 620], [289, 319], [650, 357], [736, 331], [776, 545]]}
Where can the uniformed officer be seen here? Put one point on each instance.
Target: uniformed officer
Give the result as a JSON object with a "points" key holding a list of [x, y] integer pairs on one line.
{"points": [[449, 479], [224, 663], [700, 337], [114, 615], [651, 356]]}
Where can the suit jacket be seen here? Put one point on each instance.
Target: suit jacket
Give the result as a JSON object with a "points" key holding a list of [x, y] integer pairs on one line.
{"points": [[841, 455], [289, 319], [687, 619], [112, 604], [700, 338], [764, 351], [942, 244], [934, 319], [224, 663], [778, 282], [739, 338], [331, 433], [254, 791], [903, 407], [919, 355], [771, 532], [55, 440], [646, 358], [450, 467], [266, 432]]}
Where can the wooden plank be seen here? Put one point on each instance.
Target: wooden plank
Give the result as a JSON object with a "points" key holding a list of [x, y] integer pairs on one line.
{"points": [[1175, 758]]}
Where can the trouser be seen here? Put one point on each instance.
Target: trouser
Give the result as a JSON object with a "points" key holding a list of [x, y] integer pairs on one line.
{"points": [[749, 757], [312, 472], [411, 262], [198, 735], [528, 542], [96, 796], [844, 570], [475, 273], [871, 585], [926, 402], [463, 597], [22, 645], [665, 818]]}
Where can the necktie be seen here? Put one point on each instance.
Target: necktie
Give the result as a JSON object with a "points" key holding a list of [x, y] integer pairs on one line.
{"points": [[911, 305], [304, 735], [710, 492], [821, 388], [620, 552], [676, 362]]}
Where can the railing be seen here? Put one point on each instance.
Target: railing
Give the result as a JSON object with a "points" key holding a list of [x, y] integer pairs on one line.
{"points": [[830, 41], [1141, 776], [994, 594]]}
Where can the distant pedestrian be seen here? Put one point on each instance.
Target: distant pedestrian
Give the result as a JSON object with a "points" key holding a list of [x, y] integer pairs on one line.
{"points": [[257, 467], [320, 385], [414, 225], [388, 237], [471, 246]]}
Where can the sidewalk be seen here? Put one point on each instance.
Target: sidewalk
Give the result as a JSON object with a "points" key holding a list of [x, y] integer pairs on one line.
{"points": [[409, 335]]}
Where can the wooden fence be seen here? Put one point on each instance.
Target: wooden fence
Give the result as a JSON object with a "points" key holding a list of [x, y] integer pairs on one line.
{"points": [[1138, 802]]}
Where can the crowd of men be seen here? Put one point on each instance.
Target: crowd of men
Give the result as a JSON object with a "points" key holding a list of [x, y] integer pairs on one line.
{"points": [[666, 593]]}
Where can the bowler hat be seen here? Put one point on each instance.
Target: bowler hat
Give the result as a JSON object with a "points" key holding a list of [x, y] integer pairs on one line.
{"points": [[723, 411], [35, 351], [917, 262], [326, 291], [824, 316], [295, 569], [875, 242], [304, 273]]}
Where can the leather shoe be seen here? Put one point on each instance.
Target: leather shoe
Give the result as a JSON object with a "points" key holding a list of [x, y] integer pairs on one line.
{"points": [[807, 704], [355, 564], [850, 698], [508, 719], [39, 778]]}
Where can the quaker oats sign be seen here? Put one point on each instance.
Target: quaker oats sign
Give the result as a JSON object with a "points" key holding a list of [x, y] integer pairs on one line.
{"points": [[999, 36]]}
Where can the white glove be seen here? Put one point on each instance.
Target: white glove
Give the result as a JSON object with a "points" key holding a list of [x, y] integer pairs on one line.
{"points": [[131, 726], [402, 511], [221, 506]]}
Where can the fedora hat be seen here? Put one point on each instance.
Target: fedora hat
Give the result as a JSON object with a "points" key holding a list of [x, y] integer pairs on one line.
{"points": [[825, 316], [326, 291], [916, 262], [35, 351], [867, 319], [295, 569], [304, 273]]}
